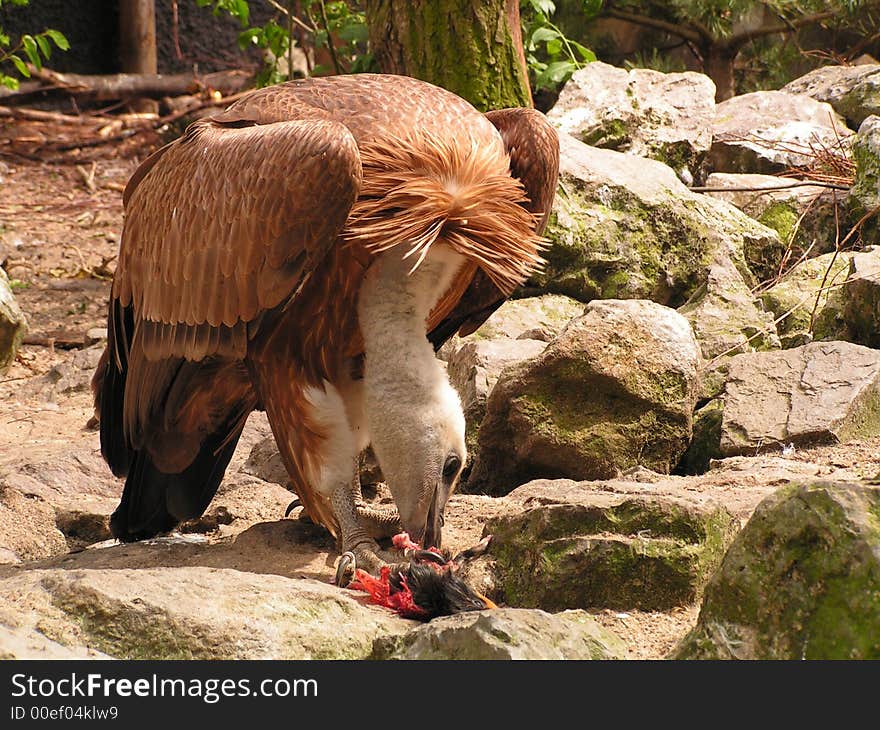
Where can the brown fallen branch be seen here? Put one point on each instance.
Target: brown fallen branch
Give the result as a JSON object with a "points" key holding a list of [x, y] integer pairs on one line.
{"points": [[53, 137], [124, 86]]}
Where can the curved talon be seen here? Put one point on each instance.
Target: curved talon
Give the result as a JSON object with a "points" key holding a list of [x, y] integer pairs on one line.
{"points": [[292, 506], [428, 556], [346, 560]]}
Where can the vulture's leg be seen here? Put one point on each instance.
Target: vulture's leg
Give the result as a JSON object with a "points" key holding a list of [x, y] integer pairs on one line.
{"points": [[359, 548]]}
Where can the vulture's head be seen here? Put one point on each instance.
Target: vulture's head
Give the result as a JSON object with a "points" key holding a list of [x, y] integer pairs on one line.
{"points": [[421, 449]]}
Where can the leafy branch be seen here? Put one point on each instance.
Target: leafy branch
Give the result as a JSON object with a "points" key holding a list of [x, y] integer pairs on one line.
{"points": [[552, 57], [33, 48]]}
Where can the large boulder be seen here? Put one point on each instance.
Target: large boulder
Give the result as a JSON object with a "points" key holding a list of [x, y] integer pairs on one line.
{"points": [[770, 131], [803, 215], [726, 317], [616, 388], [667, 117], [12, 323], [504, 633], [474, 369], [627, 228], [864, 196], [853, 91], [824, 392], [617, 545], [808, 300], [801, 581], [193, 613]]}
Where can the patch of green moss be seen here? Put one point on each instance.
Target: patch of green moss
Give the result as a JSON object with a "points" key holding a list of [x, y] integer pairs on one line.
{"points": [[802, 579], [612, 134]]}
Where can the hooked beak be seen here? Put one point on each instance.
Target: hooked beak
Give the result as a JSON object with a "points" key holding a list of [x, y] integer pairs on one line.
{"points": [[432, 533]]}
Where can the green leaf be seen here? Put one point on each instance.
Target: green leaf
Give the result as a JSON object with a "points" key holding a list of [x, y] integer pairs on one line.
{"points": [[542, 35], [19, 64], [45, 49], [58, 38], [543, 7], [30, 49], [249, 37], [560, 70], [554, 47], [585, 53], [10, 82]]}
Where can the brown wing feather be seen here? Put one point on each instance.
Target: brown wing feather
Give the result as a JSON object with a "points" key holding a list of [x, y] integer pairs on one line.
{"points": [[227, 222], [533, 146]]}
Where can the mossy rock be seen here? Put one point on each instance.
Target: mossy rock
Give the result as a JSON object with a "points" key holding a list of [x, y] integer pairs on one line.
{"points": [[595, 549], [504, 633], [801, 581], [576, 411], [809, 300], [625, 227], [864, 196]]}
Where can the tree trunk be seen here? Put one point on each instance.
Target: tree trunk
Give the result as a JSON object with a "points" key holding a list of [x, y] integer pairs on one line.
{"points": [[472, 48], [137, 42], [718, 64]]}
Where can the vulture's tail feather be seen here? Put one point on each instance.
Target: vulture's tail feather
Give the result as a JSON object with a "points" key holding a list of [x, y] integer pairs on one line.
{"points": [[154, 502], [108, 386]]}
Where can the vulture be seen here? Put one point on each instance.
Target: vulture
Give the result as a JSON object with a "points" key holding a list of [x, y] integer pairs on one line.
{"points": [[305, 252]]}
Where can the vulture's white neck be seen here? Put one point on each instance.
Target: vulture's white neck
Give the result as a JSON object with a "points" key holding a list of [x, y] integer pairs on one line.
{"points": [[413, 414], [393, 308]]}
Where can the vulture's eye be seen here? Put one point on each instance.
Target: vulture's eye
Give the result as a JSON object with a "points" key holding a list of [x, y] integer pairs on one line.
{"points": [[451, 467]]}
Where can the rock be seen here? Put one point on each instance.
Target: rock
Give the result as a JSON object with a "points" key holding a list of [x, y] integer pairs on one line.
{"points": [[803, 216], [72, 375], [194, 613], [627, 228], [264, 462], [726, 317], [606, 545], [27, 527], [504, 633], [770, 131], [853, 91], [30, 643], [801, 581], [95, 336], [861, 299], [531, 318], [615, 389], [801, 292], [667, 117], [864, 196], [240, 502], [824, 392], [13, 324], [474, 369]]}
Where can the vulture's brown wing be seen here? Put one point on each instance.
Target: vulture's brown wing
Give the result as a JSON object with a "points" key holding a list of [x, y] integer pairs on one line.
{"points": [[228, 222], [221, 225], [533, 146]]}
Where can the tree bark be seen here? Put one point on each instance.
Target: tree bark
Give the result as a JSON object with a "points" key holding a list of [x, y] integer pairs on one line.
{"points": [[474, 49], [718, 64], [137, 42]]}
